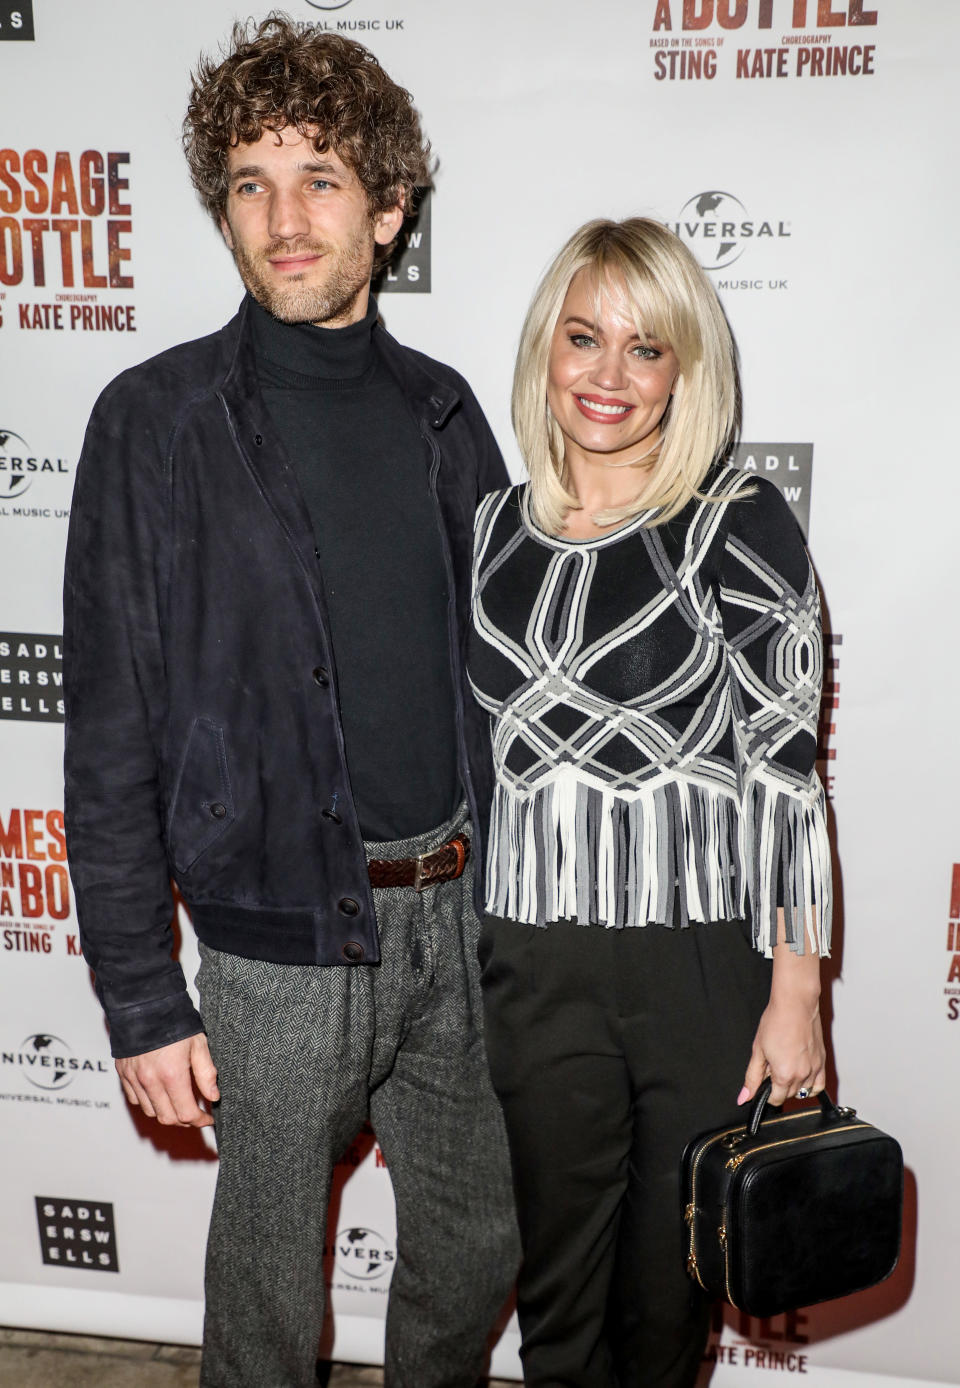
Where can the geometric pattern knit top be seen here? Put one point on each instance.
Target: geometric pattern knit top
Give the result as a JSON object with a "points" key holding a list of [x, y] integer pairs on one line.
{"points": [[654, 696]]}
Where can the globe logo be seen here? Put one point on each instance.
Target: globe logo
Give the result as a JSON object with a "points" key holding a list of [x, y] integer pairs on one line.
{"points": [[715, 225], [13, 482], [45, 1060], [363, 1254], [315, 4]]}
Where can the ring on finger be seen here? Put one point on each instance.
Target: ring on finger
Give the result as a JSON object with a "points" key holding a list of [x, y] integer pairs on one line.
{"points": [[803, 1093]]}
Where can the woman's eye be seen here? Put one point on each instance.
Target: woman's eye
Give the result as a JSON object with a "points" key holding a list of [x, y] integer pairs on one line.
{"points": [[582, 340], [646, 353]]}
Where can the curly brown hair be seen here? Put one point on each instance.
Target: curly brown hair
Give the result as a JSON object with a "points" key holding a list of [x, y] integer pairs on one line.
{"points": [[280, 73]]}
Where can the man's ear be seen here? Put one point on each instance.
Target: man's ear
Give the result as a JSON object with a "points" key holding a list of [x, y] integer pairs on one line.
{"points": [[227, 234], [386, 225]]}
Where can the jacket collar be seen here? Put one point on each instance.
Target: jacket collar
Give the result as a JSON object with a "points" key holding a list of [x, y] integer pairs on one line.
{"points": [[431, 399]]}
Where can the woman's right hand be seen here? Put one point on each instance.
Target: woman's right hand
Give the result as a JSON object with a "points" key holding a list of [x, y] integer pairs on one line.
{"points": [[789, 1044]]}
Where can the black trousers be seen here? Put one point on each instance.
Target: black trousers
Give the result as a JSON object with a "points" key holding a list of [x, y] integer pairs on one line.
{"points": [[609, 1049]]}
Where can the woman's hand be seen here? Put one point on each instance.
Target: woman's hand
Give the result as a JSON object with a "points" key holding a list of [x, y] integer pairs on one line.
{"points": [[789, 1045]]}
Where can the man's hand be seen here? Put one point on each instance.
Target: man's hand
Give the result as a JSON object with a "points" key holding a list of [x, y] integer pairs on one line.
{"points": [[161, 1082]]}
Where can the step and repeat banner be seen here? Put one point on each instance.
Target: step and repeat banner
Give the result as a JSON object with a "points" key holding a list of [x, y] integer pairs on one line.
{"points": [[804, 149]]}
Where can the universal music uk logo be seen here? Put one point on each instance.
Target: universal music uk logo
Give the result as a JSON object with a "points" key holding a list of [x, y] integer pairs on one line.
{"points": [[718, 228], [16, 19], [363, 1254], [14, 480], [48, 1062], [20, 467], [77, 1233]]}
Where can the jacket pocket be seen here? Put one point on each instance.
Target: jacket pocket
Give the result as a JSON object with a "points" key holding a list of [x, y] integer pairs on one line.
{"points": [[202, 807]]}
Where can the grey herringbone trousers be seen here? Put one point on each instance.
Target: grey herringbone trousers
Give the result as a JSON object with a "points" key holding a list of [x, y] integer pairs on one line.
{"points": [[304, 1055]]}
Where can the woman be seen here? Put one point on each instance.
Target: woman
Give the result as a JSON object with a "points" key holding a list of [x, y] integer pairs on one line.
{"points": [[647, 643]]}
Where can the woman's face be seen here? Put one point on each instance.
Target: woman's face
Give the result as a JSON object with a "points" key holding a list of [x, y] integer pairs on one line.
{"points": [[607, 387]]}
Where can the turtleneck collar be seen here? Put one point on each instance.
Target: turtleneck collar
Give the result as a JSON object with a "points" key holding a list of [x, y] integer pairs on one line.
{"points": [[305, 351]]}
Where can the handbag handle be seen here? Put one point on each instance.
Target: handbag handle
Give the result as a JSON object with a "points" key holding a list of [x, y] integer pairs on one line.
{"points": [[760, 1102]]}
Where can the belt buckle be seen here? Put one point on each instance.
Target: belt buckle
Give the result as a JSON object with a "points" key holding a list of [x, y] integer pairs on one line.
{"points": [[418, 883]]}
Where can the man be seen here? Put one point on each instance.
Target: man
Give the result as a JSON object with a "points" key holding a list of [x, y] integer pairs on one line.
{"points": [[267, 583]]}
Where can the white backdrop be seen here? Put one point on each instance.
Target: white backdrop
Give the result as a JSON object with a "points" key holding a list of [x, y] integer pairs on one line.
{"points": [[807, 152]]}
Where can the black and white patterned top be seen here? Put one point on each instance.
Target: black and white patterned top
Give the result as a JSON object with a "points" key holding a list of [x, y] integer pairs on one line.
{"points": [[654, 696]]}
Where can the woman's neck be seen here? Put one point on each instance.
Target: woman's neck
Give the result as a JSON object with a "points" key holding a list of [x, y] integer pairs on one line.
{"points": [[600, 488]]}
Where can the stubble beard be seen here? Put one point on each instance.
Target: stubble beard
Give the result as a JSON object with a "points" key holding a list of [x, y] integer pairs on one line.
{"points": [[348, 271]]}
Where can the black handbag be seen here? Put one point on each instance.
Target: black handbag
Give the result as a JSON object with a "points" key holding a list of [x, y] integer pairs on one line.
{"points": [[801, 1208]]}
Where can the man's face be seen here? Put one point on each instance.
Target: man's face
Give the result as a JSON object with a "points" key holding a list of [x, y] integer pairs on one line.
{"points": [[300, 229]]}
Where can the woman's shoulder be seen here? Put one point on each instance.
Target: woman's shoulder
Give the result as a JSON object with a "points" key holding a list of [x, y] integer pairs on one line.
{"points": [[757, 505], [760, 530], [505, 500], [748, 503]]}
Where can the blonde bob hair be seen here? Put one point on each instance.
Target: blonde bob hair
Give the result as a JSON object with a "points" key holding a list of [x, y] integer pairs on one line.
{"points": [[650, 277]]}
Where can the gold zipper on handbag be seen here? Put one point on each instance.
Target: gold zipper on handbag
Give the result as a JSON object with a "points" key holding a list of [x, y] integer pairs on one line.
{"points": [[693, 1269], [741, 1128], [732, 1165], [689, 1214]]}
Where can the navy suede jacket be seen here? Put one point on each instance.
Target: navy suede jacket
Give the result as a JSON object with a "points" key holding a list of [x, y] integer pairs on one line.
{"points": [[203, 738]]}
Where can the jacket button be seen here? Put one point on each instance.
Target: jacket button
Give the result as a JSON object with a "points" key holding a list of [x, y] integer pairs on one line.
{"points": [[332, 815], [321, 677], [317, 552], [258, 439], [348, 907], [217, 810], [352, 952]]}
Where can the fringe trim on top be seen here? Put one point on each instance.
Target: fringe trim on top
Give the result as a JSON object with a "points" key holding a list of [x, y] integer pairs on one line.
{"points": [[786, 851], [573, 851]]}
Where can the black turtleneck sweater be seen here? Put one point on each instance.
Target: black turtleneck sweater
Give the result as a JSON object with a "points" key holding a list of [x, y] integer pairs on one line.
{"points": [[363, 468]]}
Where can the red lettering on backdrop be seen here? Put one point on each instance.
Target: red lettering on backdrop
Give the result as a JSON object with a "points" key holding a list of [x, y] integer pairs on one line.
{"points": [[35, 227], [858, 15], [61, 195], [34, 837], [56, 886], [697, 14], [64, 192], [118, 253], [11, 251], [117, 184], [31, 891], [92, 195], [11, 837], [35, 164], [57, 850], [731, 14]]}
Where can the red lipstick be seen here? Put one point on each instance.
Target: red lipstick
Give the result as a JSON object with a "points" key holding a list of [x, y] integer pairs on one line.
{"points": [[610, 411]]}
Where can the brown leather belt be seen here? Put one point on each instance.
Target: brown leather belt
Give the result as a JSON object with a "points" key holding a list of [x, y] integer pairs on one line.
{"points": [[439, 865]]}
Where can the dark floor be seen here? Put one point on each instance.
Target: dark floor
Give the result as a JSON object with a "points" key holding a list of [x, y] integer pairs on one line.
{"points": [[40, 1359]]}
